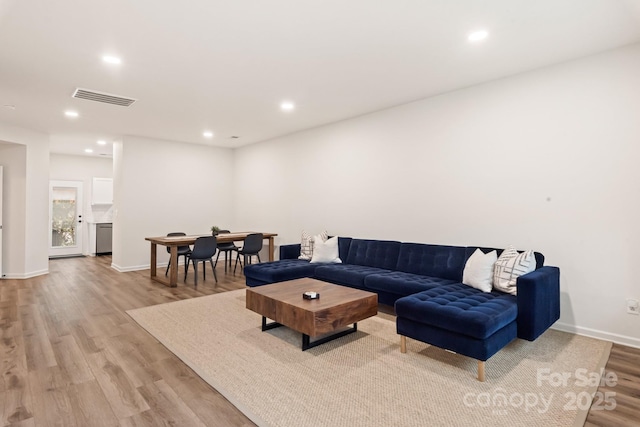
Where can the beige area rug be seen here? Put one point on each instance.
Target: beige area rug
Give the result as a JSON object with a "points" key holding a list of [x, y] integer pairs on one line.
{"points": [[363, 380]]}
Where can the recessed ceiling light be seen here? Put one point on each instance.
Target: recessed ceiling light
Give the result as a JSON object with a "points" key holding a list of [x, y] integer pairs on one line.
{"points": [[477, 36], [111, 59], [287, 106], [71, 113], [101, 142], [88, 150], [207, 134]]}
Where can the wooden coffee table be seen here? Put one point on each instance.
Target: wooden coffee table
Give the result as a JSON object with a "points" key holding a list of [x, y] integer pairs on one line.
{"points": [[337, 307]]}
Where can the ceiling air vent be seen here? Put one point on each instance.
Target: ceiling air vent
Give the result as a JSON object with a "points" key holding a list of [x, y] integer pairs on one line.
{"points": [[106, 98]]}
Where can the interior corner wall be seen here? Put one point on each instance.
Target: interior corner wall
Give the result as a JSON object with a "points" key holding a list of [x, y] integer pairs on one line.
{"points": [[14, 159], [28, 214], [37, 232], [544, 160], [164, 186]]}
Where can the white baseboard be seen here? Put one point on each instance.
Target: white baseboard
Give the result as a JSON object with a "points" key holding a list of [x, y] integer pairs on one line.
{"points": [[594, 333], [141, 267], [148, 266], [130, 268], [25, 275]]}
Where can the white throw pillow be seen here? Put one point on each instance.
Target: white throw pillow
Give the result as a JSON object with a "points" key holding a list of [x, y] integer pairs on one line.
{"points": [[326, 251], [306, 244], [478, 271], [320, 238], [511, 265]]}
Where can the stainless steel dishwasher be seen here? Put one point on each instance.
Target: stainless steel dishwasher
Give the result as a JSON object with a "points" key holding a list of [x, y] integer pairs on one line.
{"points": [[103, 238]]}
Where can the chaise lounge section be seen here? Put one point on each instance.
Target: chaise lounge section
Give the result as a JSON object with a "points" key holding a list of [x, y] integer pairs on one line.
{"points": [[424, 283]]}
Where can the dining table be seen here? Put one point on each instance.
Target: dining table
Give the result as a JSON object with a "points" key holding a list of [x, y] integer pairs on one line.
{"points": [[172, 242]]}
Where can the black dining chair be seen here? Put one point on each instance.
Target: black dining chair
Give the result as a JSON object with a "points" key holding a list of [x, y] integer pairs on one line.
{"points": [[227, 248], [182, 251], [204, 249], [252, 246]]}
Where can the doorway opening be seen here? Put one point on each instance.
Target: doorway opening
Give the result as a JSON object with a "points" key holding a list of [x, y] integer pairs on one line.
{"points": [[65, 219]]}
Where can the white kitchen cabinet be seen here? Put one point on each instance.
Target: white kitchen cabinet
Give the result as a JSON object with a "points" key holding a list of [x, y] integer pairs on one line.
{"points": [[102, 193]]}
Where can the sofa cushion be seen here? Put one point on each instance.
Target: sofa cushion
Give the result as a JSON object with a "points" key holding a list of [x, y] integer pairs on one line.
{"points": [[373, 253], [400, 283], [278, 271], [460, 309], [432, 260], [290, 251], [480, 349], [346, 274]]}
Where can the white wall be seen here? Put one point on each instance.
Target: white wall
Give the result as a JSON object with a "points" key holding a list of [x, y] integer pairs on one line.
{"points": [[65, 167], [14, 159], [163, 186], [30, 214], [37, 210], [543, 160]]}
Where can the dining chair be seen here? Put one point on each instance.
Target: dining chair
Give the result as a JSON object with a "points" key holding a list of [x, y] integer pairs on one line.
{"points": [[182, 251], [204, 249], [252, 246], [227, 248]]}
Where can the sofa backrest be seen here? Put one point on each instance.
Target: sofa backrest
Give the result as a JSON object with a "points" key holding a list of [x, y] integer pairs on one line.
{"points": [[446, 262], [374, 253], [471, 249], [344, 243]]}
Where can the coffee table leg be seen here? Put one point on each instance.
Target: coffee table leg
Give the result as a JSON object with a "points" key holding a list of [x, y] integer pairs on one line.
{"points": [[266, 326], [307, 344]]}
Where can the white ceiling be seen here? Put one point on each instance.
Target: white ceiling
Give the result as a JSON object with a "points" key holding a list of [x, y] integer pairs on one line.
{"points": [[225, 66]]}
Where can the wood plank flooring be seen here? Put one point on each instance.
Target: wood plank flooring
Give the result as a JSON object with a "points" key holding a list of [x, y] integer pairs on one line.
{"points": [[71, 356], [625, 363]]}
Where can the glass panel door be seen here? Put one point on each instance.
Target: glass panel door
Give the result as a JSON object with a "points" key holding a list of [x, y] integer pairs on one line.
{"points": [[66, 218]]}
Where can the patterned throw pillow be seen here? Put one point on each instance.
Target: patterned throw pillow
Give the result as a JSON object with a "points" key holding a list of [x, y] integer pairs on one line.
{"points": [[511, 265], [306, 244]]}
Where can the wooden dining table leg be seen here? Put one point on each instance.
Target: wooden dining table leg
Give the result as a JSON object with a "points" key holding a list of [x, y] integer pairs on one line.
{"points": [[173, 267], [154, 258], [271, 249]]}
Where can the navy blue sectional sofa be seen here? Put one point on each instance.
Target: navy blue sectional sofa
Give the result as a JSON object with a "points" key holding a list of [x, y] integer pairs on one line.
{"points": [[423, 282]]}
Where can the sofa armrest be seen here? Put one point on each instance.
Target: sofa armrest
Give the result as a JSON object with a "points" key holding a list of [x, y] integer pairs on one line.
{"points": [[538, 301], [290, 251]]}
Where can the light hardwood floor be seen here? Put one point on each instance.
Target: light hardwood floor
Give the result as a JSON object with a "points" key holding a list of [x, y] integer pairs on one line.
{"points": [[71, 356]]}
